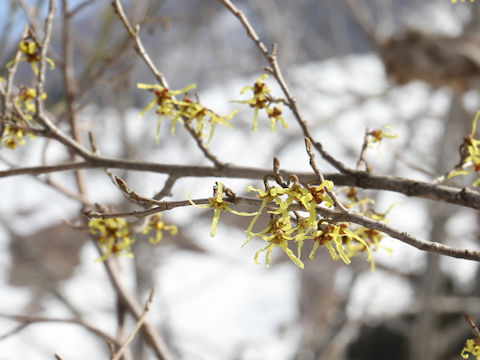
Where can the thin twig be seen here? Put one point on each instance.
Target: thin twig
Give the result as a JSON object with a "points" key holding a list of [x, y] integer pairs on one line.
{"points": [[70, 90], [274, 68], [151, 334], [29, 319], [42, 66], [80, 7], [203, 147], [167, 188], [363, 151], [321, 178], [137, 327], [140, 49]]}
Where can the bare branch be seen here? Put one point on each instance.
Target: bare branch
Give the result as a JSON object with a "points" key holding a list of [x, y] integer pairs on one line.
{"points": [[151, 334], [337, 216], [70, 89], [30, 319], [137, 327], [437, 192], [291, 101]]}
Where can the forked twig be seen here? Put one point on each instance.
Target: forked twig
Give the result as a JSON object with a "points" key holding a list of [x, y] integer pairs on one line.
{"points": [[137, 327]]}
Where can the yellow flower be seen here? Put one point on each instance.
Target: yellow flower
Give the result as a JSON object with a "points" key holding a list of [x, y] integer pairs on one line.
{"points": [[179, 110], [165, 102], [268, 195], [341, 243], [194, 111], [470, 155], [158, 225], [219, 205], [278, 233], [262, 99], [13, 134], [472, 348], [275, 114], [31, 54], [113, 235], [13, 137], [26, 101]]}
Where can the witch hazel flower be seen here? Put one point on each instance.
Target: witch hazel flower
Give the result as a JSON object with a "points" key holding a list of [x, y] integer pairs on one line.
{"points": [[263, 100]]}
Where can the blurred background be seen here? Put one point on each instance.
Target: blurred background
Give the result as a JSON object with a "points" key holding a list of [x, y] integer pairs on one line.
{"points": [[352, 65]]}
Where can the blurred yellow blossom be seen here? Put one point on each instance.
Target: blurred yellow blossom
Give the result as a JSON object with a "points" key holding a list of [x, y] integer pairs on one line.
{"points": [[156, 224], [31, 53], [470, 152], [113, 235], [472, 348]]}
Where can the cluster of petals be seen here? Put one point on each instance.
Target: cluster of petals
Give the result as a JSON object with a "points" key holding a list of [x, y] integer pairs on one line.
{"points": [[167, 106], [218, 204], [113, 236], [283, 229], [263, 100], [471, 160], [471, 347], [31, 54], [14, 132], [158, 226]]}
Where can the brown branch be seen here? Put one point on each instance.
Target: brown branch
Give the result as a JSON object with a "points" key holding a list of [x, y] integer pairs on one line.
{"points": [[319, 173], [167, 188], [151, 335], [30, 319], [363, 151], [6, 93], [363, 19], [70, 89], [203, 147], [276, 71], [424, 245], [80, 7], [436, 192], [137, 327], [336, 216], [42, 66], [140, 49]]}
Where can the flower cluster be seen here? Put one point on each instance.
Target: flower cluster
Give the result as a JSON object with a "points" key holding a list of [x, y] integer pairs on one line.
{"points": [[14, 132], [262, 99], [471, 347], [218, 204], [183, 110], [156, 224], [370, 236], [113, 235], [286, 226], [470, 155], [31, 52], [26, 101]]}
